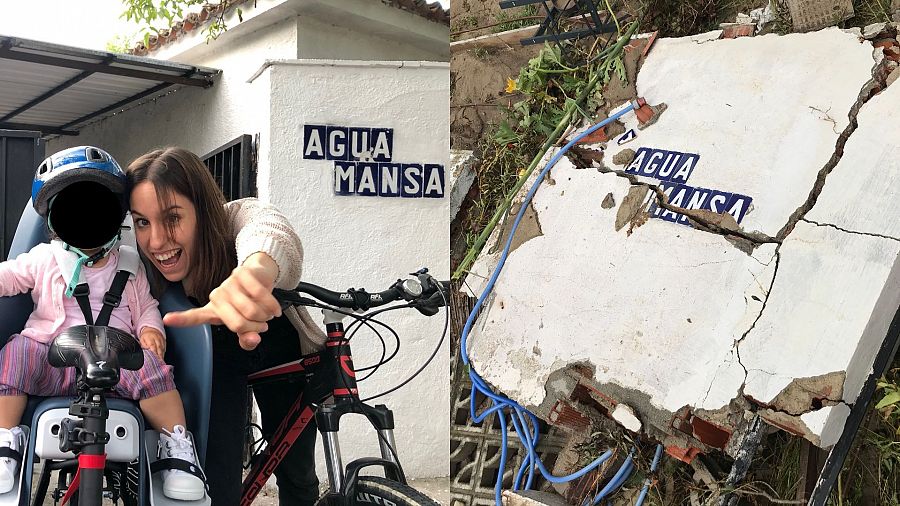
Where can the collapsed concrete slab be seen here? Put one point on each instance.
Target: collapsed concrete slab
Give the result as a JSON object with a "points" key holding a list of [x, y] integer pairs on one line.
{"points": [[763, 281]]}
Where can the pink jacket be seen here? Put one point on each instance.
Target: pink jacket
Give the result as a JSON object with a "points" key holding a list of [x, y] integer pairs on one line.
{"points": [[37, 271]]}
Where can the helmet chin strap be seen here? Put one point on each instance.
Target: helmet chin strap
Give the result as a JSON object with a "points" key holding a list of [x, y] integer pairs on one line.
{"points": [[83, 258]]}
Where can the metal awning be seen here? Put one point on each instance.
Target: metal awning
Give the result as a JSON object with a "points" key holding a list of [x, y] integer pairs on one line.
{"points": [[56, 89]]}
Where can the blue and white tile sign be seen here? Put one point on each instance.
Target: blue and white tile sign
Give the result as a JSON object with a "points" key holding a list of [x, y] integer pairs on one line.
{"points": [[364, 163], [672, 169]]}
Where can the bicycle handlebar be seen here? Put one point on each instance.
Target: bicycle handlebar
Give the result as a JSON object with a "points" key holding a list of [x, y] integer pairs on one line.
{"points": [[422, 291]]}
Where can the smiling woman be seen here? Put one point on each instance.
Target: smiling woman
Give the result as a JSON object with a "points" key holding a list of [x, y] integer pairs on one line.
{"points": [[228, 257]]}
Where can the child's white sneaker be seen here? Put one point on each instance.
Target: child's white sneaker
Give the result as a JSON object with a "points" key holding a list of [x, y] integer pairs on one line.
{"points": [[179, 484], [11, 441]]}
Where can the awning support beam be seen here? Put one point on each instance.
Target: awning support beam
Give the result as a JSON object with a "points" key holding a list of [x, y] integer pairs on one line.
{"points": [[44, 129], [100, 68]]}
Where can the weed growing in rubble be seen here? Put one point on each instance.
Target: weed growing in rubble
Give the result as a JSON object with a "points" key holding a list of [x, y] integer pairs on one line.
{"points": [[506, 21], [867, 12], [557, 87]]}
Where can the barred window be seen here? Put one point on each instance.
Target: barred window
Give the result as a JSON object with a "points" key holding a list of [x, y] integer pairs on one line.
{"points": [[233, 166]]}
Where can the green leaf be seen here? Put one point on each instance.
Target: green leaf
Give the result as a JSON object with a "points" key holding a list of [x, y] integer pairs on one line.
{"points": [[887, 400]]}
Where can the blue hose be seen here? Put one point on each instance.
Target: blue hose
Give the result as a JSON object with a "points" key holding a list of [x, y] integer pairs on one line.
{"points": [[500, 403], [646, 487], [617, 480]]}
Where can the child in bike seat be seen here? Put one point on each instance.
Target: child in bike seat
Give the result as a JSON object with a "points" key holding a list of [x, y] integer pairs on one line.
{"points": [[81, 192]]}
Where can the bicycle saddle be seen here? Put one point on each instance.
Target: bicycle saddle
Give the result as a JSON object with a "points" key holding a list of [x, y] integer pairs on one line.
{"points": [[97, 353]]}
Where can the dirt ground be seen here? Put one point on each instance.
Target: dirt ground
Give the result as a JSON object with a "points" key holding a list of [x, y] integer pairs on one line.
{"points": [[478, 79], [478, 76]]}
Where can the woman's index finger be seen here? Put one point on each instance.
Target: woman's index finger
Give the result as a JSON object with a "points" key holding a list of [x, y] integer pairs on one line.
{"points": [[192, 317]]}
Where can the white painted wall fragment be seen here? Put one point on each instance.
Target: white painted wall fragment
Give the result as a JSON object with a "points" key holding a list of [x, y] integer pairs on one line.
{"points": [[460, 177], [682, 317]]}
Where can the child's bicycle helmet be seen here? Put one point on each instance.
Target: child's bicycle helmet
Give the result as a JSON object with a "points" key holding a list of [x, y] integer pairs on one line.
{"points": [[81, 193]]}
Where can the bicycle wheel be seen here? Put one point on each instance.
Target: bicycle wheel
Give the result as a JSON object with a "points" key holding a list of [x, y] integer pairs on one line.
{"points": [[384, 492]]}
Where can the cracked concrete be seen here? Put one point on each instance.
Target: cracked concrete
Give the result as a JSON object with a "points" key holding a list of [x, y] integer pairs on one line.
{"points": [[693, 326]]}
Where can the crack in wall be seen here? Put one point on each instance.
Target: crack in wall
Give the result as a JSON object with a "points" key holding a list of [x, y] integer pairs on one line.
{"points": [[718, 224], [872, 87], [737, 344], [855, 232]]}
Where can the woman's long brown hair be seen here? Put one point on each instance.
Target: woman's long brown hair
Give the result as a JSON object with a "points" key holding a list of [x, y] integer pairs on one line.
{"points": [[177, 170]]}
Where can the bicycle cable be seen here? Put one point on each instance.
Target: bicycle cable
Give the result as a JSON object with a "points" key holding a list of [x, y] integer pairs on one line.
{"points": [[354, 400], [433, 353], [364, 320], [351, 331], [393, 332]]}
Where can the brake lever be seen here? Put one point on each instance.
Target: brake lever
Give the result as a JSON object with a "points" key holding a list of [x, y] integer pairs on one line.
{"points": [[288, 298], [438, 298]]}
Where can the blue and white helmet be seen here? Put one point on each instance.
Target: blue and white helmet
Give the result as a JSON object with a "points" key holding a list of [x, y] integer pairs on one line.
{"points": [[81, 193], [79, 164]]}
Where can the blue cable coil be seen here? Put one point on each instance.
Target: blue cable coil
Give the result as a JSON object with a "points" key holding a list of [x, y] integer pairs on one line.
{"points": [[519, 415]]}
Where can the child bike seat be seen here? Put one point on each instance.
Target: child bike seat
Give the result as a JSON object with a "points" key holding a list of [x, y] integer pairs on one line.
{"points": [[188, 350]]}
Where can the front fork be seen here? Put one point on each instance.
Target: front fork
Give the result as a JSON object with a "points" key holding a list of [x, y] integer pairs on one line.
{"points": [[346, 400]]}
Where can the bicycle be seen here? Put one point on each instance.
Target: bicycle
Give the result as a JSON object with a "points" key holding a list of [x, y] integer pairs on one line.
{"points": [[331, 392]]}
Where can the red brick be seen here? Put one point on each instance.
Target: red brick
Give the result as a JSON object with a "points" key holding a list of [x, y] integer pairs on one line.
{"points": [[735, 30], [598, 135], [685, 455]]}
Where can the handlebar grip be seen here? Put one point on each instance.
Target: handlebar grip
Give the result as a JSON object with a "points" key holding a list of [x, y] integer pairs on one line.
{"points": [[351, 299]]}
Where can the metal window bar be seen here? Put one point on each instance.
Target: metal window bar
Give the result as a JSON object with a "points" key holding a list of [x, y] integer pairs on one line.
{"points": [[233, 168]]}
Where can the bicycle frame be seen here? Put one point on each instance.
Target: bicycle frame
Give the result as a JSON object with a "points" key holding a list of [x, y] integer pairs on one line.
{"points": [[329, 374]]}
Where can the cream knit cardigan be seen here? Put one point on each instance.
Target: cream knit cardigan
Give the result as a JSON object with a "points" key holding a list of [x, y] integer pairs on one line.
{"points": [[259, 227]]}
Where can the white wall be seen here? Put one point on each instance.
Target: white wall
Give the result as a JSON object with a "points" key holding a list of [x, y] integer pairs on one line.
{"points": [[350, 29], [352, 241], [323, 38]]}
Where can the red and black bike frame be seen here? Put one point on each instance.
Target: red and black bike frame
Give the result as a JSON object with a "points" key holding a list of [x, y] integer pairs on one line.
{"points": [[330, 393]]}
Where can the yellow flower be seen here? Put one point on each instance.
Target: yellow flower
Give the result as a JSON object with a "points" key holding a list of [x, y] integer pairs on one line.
{"points": [[511, 85]]}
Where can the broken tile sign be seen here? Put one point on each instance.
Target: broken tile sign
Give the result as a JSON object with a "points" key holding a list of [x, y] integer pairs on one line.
{"points": [[672, 169], [683, 332]]}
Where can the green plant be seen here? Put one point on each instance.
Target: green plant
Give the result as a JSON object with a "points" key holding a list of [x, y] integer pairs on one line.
{"points": [[890, 398], [158, 15], [507, 21], [121, 43], [867, 12], [554, 92]]}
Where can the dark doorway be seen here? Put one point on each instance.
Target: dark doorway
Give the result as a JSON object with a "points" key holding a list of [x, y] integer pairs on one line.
{"points": [[20, 153]]}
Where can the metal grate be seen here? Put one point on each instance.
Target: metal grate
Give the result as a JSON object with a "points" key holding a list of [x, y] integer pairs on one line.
{"points": [[233, 166], [551, 29], [475, 448]]}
